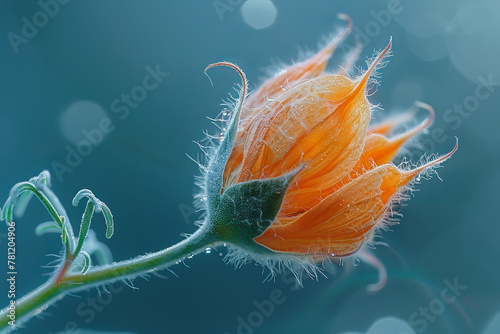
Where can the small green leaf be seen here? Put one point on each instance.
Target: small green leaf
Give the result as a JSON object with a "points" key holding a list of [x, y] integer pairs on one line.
{"points": [[40, 182], [86, 262], [64, 236], [22, 203], [108, 218], [47, 227], [85, 225], [99, 207], [7, 211], [83, 193], [15, 193], [21, 194]]}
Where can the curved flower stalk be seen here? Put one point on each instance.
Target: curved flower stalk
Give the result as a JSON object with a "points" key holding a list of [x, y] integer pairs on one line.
{"points": [[298, 175]]}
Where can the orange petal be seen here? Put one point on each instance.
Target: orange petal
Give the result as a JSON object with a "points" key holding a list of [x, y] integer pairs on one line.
{"points": [[288, 119], [297, 73], [290, 77], [322, 123], [378, 150], [406, 176], [336, 149], [343, 221], [389, 124]]}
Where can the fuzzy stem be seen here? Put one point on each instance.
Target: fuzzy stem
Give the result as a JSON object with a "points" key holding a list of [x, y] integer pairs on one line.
{"points": [[53, 290]]}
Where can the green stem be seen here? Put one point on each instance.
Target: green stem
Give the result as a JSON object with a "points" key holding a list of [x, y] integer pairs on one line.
{"points": [[38, 300]]}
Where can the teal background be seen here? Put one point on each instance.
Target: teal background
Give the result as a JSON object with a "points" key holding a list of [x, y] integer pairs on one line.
{"points": [[97, 50]]}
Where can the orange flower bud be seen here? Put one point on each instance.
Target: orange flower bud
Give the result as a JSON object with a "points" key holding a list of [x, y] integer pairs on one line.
{"points": [[304, 146]]}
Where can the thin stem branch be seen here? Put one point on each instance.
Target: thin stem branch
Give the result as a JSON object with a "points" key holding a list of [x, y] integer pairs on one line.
{"points": [[53, 290]]}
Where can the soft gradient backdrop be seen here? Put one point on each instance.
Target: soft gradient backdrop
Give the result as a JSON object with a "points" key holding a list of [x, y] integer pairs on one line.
{"points": [[71, 72]]}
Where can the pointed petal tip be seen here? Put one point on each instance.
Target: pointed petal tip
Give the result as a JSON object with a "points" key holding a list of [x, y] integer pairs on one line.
{"points": [[408, 175], [374, 64], [378, 59], [443, 158]]}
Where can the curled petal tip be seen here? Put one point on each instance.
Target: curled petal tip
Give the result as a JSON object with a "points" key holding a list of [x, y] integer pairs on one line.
{"points": [[222, 63], [330, 47], [234, 67], [345, 17], [431, 111], [348, 20], [426, 123]]}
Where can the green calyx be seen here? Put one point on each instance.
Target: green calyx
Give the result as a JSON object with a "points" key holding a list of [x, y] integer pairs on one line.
{"points": [[240, 212], [246, 210]]}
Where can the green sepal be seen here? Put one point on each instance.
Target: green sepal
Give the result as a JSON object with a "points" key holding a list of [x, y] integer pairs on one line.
{"points": [[247, 209], [217, 164]]}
